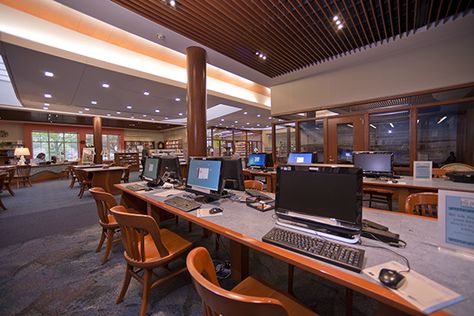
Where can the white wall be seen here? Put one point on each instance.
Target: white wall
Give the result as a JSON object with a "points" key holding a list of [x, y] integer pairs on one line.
{"points": [[14, 130], [435, 58]]}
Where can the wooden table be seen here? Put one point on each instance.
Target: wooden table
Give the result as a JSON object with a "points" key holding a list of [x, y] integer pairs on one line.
{"points": [[244, 227], [106, 177], [270, 177], [407, 185], [90, 166]]}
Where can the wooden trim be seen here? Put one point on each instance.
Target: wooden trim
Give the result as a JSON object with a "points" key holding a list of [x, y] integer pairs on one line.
{"points": [[412, 140], [297, 137]]}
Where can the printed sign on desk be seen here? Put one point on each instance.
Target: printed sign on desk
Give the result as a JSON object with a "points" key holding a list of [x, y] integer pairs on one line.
{"points": [[422, 170], [456, 220]]}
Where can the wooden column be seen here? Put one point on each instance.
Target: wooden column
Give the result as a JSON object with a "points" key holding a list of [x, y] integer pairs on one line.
{"points": [[196, 101], [97, 121]]}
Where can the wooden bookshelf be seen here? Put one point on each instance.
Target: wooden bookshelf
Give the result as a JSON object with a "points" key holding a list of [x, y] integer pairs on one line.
{"points": [[174, 144], [131, 159]]}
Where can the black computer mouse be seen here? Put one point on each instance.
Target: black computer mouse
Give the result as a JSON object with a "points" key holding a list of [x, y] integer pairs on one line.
{"points": [[215, 210], [391, 278]]}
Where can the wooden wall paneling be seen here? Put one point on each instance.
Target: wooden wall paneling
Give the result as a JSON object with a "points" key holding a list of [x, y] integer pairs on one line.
{"points": [[413, 152]]}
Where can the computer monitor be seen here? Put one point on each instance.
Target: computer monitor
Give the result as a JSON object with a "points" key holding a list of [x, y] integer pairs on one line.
{"points": [[323, 200], [151, 171], [257, 160], [268, 160], [232, 174], [300, 158], [374, 163], [170, 166], [205, 176]]}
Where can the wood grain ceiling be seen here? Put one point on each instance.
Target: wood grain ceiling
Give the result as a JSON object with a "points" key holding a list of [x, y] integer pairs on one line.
{"points": [[295, 34]]}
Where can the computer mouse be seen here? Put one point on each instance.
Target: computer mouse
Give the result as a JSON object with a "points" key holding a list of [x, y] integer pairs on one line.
{"points": [[391, 278], [215, 210], [394, 181]]}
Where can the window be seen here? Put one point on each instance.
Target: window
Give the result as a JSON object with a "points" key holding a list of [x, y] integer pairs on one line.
{"points": [[285, 141], [391, 132], [312, 138], [110, 145], [442, 130], [61, 145]]}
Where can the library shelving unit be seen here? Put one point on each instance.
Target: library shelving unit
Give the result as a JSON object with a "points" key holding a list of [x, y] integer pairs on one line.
{"points": [[131, 159]]}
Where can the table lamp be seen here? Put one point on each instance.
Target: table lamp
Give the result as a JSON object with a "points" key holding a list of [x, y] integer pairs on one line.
{"points": [[22, 151]]}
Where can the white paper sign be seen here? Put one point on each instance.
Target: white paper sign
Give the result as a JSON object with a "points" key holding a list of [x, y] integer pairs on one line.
{"points": [[456, 220], [422, 170]]}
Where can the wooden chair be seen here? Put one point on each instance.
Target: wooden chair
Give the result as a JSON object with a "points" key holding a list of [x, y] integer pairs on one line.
{"points": [[9, 179], [105, 201], [72, 173], [3, 176], [253, 184], [83, 180], [23, 175], [425, 204], [380, 196], [250, 297], [126, 174], [457, 167], [147, 247]]}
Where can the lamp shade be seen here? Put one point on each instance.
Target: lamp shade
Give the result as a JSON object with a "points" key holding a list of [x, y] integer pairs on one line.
{"points": [[22, 151]]}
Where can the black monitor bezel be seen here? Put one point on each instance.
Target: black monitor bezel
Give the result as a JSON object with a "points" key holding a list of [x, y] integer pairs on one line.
{"points": [[375, 173], [157, 178], [238, 161], [220, 188], [258, 166], [178, 165]]}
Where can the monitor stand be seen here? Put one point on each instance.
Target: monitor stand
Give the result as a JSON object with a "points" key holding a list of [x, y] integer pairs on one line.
{"points": [[202, 197]]}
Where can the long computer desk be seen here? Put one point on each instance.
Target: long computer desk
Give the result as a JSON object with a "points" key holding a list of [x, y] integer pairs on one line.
{"points": [[245, 227], [405, 186], [270, 177]]}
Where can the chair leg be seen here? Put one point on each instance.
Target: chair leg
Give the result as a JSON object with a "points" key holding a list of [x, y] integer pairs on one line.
{"points": [[176, 219], [81, 192], [2, 206], [101, 242], [291, 273], [218, 238], [10, 189], [73, 181], [126, 283], [110, 238], [146, 291], [29, 181], [390, 203], [190, 227], [370, 200]]}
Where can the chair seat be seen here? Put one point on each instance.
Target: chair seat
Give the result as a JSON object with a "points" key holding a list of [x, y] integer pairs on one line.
{"points": [[175, 244], [112, 222], [253, 287]]}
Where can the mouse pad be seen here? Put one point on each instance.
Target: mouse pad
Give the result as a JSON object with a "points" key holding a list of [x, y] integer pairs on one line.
{"points": [[422, 292]]}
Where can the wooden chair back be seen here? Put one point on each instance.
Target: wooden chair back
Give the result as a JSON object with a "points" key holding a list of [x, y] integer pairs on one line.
{"points": [[217, 301], [253, 184], [134, 227], [81, 175], [104, 201], [23, 171], [10, 174], [3, 177], [457, 167], [425, 204]]}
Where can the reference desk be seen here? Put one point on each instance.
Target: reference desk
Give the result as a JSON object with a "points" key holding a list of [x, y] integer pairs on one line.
{"points": [[106, 177], [408, 185], [245, 227]]}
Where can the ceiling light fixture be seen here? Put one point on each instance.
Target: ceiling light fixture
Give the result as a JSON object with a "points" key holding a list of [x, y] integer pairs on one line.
{"points": [[391, 124], [146, 93], [236, 122], [108, 114], [46, 104], [245, 113], [335, 18], [87, 109], [144, 115], [105, 85], [222, 120], [80, 112], [261, 55], [373, 126], [94, 102], [166, 117], [48, 96], [45, 108], [119, 112], [340, 26], [258, 115], [157, 111], [442, 119], [49, 74], [248, 123], [177, 99], [180, 114], [390, 131], [129, 107], [173, 3]]}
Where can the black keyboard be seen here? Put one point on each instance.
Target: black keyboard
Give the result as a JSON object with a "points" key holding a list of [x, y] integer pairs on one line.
{"points": [[322, 249], [259, 195], [182, 203]]}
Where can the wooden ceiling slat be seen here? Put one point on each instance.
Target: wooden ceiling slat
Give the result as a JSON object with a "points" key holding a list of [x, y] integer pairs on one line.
{"points": [[330, 31], [383, 19], [456, 12], [360, 23], [354, 26], [375, 20], [467, 8], [428, 18], [439, 12], [399, 19], [407, 13], [355, 45], [446, 16], [348, 46], [333, 50], [368, 22], [391, 19], [314, 40]]}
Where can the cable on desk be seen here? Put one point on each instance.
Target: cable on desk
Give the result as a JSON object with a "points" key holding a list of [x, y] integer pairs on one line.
{"points": [[384, 248]]}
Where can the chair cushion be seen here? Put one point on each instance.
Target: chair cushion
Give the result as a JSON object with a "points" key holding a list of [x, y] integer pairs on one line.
{"points": [[172, 241], [253, 287]]}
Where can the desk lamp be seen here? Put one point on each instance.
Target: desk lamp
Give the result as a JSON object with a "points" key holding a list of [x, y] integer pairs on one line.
{"points": [[22, 151]]}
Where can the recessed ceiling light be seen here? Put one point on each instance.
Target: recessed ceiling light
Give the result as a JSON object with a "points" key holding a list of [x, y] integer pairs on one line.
{"points": [[338, 22], [248, 123], [146, 93], [258, 115], [257, 53], [45, 108], [166, 117], [172, 3], [340, 26], [46, 104], [279, 120], [48, 96], [268, 125], [177, 99], [236, 122], [152, 119], [129, 107], [157, 111], [80, 112], [269, 117], [245, 113], [118, 112], [105, 85], [335, 18], [108, 114], [222, 120], [391, 124], [258, 124], [144, 115], [87, 109], [94, 102], [48, 74], [180, 114]]}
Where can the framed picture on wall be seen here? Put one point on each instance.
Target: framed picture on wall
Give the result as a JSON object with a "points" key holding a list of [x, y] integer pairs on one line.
{"points": [[88, 155]]}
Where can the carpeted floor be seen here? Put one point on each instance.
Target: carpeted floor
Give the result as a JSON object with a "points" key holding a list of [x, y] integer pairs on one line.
{"points": [[48, 265]]}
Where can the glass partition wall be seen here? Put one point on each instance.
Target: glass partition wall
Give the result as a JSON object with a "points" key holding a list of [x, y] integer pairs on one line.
{"points": [[233, 142], [436, 126]]}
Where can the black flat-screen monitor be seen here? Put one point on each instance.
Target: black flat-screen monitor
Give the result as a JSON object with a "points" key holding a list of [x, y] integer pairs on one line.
{"points": [[300, 158], [171, 166], [151, 171], [205, 175], [328, 198], [257, 160], [232, 174], [374, 163], [268, 160]]}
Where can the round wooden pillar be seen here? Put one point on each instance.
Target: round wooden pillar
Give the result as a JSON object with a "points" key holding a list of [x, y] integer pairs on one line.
{"points": [[196, 101], [97, 122]]}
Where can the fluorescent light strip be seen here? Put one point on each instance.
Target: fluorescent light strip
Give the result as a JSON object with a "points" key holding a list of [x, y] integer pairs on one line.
{"points": [[442, 119]]}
